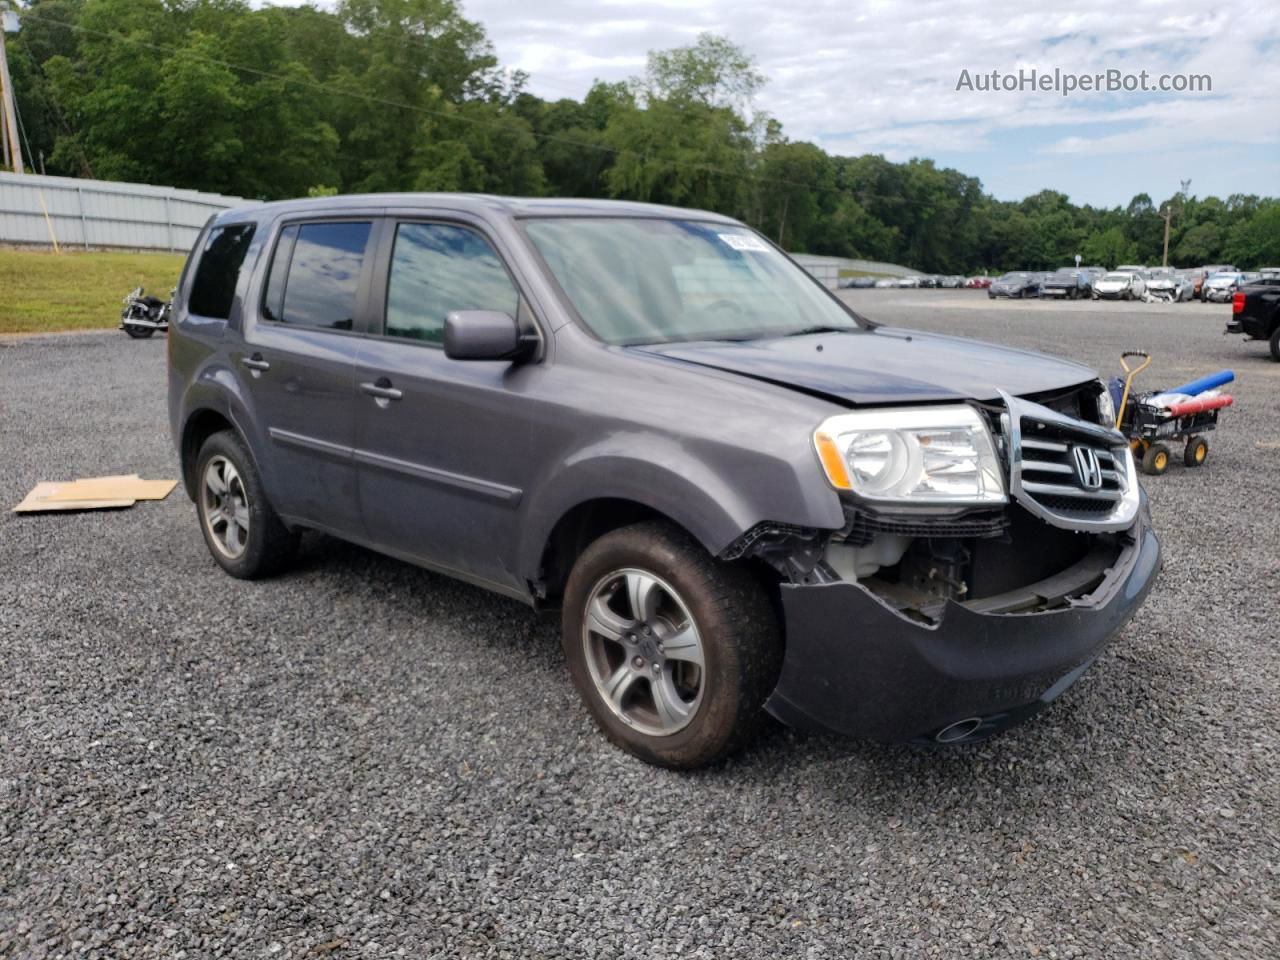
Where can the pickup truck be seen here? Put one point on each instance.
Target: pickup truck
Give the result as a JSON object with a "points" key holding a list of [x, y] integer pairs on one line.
{"points": [[1255, 312]]}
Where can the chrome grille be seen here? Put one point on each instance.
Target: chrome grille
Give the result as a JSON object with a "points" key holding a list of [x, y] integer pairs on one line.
{"points": [[1068, 472]]}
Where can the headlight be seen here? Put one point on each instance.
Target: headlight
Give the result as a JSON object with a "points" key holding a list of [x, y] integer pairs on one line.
{"points": [[928, 456], [1106, 407]]}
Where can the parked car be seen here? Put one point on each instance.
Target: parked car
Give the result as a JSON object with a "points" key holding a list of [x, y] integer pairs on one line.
{"points": [[1119, 285], [908, 282], [1220, 287], [1015, 284], [1196, 277], [927, 281], [1068, 283], [886, 282], [977, 283], [1174, 287], [1255, 312], [862, 283], [739, 493], [951, 282]]}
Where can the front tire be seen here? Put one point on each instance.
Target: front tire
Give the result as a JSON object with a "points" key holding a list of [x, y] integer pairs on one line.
{"points": [[672, 651], [138, 333], [240, 527], [1156, 460]]}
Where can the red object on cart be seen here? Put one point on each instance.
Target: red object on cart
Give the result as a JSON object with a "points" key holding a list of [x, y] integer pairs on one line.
{"points": [[1200, 406]]}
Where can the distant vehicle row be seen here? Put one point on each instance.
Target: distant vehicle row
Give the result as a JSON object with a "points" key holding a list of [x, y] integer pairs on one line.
{"points": [[1213, 284]]}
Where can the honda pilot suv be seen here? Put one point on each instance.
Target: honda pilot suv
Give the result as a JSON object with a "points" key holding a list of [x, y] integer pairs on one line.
{"points": [[742, 496]]}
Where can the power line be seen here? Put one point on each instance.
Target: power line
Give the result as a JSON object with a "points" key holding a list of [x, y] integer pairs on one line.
{"points": [[446, 115]]}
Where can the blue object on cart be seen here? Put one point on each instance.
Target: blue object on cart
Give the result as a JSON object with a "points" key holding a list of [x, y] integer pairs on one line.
{"points": [[1204, 383]]}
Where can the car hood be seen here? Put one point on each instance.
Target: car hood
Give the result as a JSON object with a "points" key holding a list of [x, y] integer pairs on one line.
{"points": [[882, 365], [1059, 282], [1112, 284]]}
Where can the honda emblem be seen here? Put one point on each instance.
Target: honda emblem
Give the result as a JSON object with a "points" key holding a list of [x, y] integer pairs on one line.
{"points": [[1088, 470]]}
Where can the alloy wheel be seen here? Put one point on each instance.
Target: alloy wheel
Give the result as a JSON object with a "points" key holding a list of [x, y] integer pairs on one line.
{"points": [[644, 652], [225, 503]]}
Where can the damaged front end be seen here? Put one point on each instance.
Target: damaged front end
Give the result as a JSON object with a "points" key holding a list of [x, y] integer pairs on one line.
{"points": [[950, 626]]}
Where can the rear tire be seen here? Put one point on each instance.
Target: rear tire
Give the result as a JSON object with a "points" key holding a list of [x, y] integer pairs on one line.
{"points": [[1196, 451], [139, 333], [240, 527], [1275, 343], [651, 582]]}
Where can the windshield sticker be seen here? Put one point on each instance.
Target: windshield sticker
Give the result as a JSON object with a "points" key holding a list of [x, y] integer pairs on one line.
{"points": [[744, 241]]}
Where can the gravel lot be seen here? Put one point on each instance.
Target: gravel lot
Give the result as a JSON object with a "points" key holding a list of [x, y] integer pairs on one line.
{"points": [[363, 759]]}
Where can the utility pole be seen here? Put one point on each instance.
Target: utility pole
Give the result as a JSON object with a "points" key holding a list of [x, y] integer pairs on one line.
{"points": [[7, 107], [1168, 217]]}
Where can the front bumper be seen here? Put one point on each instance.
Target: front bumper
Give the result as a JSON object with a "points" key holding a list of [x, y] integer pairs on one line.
{"points": [[856, 666]]}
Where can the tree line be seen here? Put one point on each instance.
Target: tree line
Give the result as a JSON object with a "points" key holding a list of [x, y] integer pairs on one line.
{"points": [[380, 95]]}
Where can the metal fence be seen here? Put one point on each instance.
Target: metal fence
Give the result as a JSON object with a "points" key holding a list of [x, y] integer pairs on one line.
{"points": [[97, 214], [827, 269]]}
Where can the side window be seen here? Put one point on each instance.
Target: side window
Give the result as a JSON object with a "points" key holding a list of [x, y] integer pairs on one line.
{"points": [[315, 274], [215, 284], [436, 269]]}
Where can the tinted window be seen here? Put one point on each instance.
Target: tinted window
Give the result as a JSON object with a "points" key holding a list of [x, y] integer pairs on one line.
{"points": [[215, 284], [436, 269], [273, 303], [315, 275]]}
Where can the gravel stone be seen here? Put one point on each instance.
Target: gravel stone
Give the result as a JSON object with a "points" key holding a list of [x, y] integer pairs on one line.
{"points": [[362, 759]]}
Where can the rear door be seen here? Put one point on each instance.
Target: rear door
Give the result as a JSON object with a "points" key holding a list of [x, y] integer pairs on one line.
{"points": [[298, 360], [440, 443]]}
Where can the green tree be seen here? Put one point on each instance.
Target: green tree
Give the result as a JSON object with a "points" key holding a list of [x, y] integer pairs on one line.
{"points": [[1110, 248]]}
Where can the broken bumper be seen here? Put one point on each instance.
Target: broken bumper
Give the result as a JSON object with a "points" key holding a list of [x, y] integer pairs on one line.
{"points": [[856, 666]]}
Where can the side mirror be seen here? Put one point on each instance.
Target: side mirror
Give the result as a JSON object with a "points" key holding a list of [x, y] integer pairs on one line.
{"points": [[482, 335]]}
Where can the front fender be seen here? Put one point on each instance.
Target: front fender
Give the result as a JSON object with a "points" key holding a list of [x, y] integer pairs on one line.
{"points": [[714, 505]]}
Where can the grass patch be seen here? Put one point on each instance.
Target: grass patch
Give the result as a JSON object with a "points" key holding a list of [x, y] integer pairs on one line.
{"points": [[845, 273], [44, 292]]}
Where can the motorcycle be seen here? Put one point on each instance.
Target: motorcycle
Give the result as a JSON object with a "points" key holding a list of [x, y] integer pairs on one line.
{"points": [[142, 315]]}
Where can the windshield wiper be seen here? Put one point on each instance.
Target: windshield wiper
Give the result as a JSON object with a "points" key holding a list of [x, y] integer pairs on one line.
{"points": [[818, 328]]}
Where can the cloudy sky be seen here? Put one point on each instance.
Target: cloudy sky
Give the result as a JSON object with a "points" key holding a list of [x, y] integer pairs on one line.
{"points": [[876, 77]]}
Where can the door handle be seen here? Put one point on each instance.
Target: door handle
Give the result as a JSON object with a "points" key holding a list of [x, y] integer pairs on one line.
{"points": [[382, 390], [256, 363]]}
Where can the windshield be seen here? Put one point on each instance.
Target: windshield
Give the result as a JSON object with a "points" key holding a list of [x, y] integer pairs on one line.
{"points": [[1222, 276], [1065, 274], [1117, 277], [1010, 277], [652, 281]]}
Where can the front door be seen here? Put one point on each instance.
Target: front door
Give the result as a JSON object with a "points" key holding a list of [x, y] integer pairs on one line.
{"points": [[440, 443], [299, 365]]}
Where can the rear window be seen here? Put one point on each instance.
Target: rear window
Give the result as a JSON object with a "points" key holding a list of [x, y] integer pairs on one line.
{"points": [[315, 274], [215, 284]]}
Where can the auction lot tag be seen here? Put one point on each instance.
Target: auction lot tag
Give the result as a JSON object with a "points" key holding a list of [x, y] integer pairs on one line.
{"points": [[744, 241]]}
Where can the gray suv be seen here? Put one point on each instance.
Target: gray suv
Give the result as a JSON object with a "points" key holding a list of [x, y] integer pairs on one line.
{"points": [[742, 496]]}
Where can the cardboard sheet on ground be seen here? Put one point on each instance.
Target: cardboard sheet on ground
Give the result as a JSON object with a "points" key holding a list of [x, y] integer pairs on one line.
{"points": [[94, 493], [115, 488]]}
